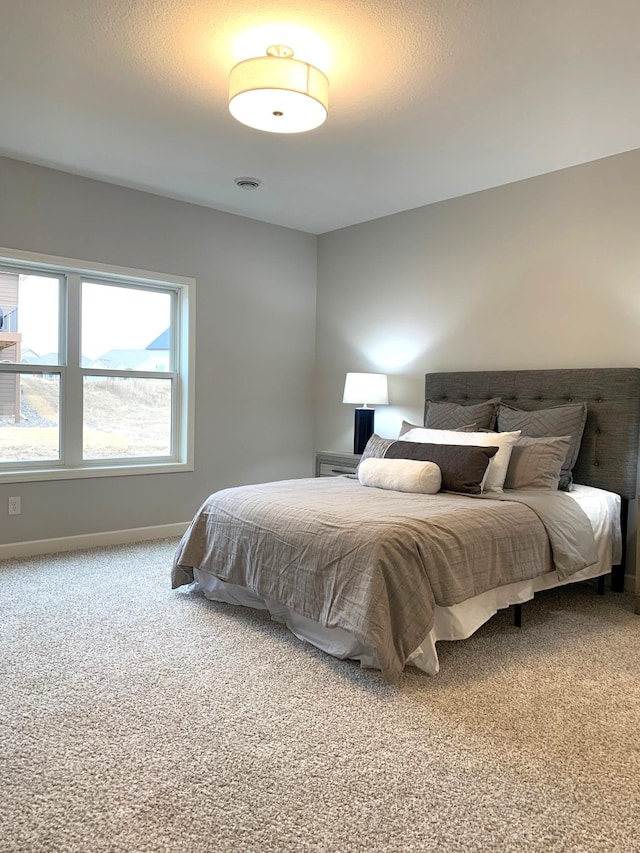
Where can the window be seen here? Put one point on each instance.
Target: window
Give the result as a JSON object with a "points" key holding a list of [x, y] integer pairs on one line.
{"points": [[96, 369]]}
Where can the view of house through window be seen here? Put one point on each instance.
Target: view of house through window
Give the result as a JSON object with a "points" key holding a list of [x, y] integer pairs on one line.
{"points": [[29, 334], [89, 370]]}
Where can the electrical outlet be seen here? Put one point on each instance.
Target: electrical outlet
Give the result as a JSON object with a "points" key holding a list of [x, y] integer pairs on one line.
{"points": [[14, 507]]}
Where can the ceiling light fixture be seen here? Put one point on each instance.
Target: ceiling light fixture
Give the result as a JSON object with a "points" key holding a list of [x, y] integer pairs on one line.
{"points": [[278, 93]]}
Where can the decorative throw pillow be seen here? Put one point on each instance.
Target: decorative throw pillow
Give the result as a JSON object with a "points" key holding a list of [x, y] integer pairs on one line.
{"points": [[543, 423], [504, 441], [406, 426], [536, 463], [377, 447], [401, 475], [444, 415], [462, 467]]}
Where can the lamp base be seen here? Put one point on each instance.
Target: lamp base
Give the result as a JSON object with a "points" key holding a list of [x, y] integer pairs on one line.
{"points": [[363, 429]]}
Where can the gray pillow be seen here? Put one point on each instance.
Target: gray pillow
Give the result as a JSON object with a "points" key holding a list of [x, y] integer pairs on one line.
{"points": [[550, 422], [462, 466], [443, 415], [406, 426], [536, 463]]}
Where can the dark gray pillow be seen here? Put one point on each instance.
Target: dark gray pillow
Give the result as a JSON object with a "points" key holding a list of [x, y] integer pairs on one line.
{"points": [[550, 422], [462, 466], [536, 463], [443, 415]]}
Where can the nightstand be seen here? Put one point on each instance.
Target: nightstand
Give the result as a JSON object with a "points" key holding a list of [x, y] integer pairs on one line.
{"points": [[334, 464]]}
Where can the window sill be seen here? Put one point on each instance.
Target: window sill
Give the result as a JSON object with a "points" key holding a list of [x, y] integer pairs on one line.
{"points": [[89, 471]]}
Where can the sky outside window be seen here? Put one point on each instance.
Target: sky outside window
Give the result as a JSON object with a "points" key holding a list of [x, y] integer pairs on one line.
{"points": [[112, 317]]}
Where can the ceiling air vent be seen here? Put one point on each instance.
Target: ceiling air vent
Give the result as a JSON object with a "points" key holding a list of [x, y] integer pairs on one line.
{"points": [[248, 183]]}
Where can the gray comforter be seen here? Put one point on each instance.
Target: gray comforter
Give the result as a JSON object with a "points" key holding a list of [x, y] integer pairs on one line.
{"points": [[376, 562]]}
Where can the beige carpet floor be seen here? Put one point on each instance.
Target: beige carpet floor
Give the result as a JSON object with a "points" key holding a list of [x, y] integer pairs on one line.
{"points": [[136, 718]]}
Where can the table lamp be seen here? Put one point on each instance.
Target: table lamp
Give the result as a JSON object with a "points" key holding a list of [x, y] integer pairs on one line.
{"points": [[368, 389]]}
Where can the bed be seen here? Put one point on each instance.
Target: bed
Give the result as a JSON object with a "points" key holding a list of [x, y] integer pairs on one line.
{"points": [[380, 574]]}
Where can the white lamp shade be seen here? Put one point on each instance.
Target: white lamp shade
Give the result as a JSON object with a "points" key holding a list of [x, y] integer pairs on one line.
{"points": [[366, 388], [278, 94]]}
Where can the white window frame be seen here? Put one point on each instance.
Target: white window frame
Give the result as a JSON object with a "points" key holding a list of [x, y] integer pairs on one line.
{"points": [[71, 373]]}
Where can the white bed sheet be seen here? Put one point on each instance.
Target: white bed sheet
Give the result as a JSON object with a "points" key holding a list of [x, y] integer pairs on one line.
{"points": [[451, 623]]}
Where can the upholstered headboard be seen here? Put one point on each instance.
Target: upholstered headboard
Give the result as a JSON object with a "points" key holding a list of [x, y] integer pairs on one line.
{"points": [[609, 451]]}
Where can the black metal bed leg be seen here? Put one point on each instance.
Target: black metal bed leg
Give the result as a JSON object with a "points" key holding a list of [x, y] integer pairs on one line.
{"points": [[617, 578], [601, 585], [517, 615], [617, 572]]}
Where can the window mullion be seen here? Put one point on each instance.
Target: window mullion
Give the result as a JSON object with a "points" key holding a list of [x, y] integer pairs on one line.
{"points": [[72, 375]]}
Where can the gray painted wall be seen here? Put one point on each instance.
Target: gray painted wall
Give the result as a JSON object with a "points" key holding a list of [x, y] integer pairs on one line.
{"points": [[540, 273], [255, 319], [543, 273]]}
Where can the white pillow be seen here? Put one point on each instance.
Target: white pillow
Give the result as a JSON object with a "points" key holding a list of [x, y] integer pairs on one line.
{"points": [[496, 472], [402, 475]]}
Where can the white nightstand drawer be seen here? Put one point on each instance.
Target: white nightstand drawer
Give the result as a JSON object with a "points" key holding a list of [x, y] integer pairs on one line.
{"points": [[336, 464]]}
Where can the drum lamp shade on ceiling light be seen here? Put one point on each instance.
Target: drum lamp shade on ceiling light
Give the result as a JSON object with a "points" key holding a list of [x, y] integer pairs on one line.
{"points": [[278, 93]]}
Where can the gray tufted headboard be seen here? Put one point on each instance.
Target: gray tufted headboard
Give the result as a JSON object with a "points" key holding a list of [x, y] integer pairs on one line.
{"points": [[609, 451]]}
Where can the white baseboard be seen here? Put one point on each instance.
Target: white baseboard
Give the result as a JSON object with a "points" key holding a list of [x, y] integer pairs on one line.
{"points": [[91, 540]]}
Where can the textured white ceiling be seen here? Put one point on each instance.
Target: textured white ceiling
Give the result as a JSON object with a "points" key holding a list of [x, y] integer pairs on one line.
{"points": [[429, 99]]}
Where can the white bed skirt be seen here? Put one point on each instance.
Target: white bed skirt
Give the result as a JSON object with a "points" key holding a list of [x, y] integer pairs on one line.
{"points": [[450, 623]]}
